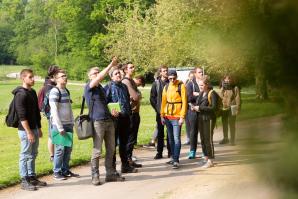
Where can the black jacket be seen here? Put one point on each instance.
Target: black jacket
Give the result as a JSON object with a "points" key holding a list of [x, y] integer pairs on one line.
{"points": [[191, 87], [207, 111], [156, 94], [27, 107]]}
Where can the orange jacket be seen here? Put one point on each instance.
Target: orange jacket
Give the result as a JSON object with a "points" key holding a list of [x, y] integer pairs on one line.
{"points": [[173, 104]]}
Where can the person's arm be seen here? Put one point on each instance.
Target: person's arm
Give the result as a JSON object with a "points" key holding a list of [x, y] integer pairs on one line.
{"points": [[153, 97], [163, 102], [54, 104], [184, 104], [237, 99], [132, 93], [100, 76]]}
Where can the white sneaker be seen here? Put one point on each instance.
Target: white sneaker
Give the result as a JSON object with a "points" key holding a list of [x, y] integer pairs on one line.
{"points": [[208, 164]]}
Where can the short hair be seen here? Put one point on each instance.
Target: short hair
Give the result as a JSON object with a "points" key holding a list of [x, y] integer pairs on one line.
{"points": [[25, 71], [52, 70], [93, 68], [141, 78], [162, 67], [196, 68], [124, 66]]}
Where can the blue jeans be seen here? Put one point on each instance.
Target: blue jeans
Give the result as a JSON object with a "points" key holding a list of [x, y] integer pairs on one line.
{"points": [[28, 153], [174, 132], [62, 153]]}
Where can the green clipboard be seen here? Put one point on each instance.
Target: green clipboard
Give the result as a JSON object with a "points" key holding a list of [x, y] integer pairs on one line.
{"points": [[64, 140], [114, 106]]}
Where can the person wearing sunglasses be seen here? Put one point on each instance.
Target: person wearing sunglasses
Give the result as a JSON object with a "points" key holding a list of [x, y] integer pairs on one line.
{"points": [[173, 110]]}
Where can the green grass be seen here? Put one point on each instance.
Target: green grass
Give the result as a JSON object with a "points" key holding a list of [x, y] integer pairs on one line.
{"points": [[10, 145]]}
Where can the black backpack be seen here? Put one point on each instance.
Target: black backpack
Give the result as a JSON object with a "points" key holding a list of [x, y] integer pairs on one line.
{"points": [[12, 118]]}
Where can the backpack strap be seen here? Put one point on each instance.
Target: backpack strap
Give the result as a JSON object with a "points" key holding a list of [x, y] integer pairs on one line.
{"points": [[209, 97]]}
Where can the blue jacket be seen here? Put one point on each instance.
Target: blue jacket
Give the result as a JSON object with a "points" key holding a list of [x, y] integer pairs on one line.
{"points": [[118, 92]]}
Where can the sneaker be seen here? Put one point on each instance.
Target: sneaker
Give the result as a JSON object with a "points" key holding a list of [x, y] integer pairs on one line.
{"points": [[158, 156], [170, 162], [208, 164], [175, 165], [134, 158], [34, 181], [95, 179], [70, 174], [128, 169], [134, 164], [116, 177], [26, 185], [58, 176], [224, 141], [192, 155], [186, 143]]}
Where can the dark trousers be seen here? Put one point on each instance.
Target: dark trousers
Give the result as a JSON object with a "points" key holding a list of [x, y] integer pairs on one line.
{"points": [[160, 136], [121, 133], [133, 133], [193, 129], [228, 120], [206, 127]]}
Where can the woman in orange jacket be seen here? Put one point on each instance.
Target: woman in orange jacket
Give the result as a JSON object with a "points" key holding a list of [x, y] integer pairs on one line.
{"points": [[172, 112]]}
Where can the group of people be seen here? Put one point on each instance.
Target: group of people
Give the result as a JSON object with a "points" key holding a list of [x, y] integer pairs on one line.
{"points": [[173, 101], [195, 103]]}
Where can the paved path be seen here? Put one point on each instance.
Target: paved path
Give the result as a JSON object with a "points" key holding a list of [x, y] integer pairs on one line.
{"points": [[234, 175]]}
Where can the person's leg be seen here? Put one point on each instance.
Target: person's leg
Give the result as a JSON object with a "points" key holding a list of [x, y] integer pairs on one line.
{"points": [[160, 136], [58, 157], [133, 134], [50, 143], [33, 154], [177, 140], [193, 119], [170, 135], [97, 150], [124, 122], [109, 139], [67, 153], [188, 127], [225, 118], [202, 135], [232, 125]]}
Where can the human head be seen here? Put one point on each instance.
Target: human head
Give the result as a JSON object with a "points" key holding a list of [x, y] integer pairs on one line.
{"points": [[140, 80], [128, 69], [191, 74], [27, 77], [52, 70], [227, 82], [172, 75], [93, 72], [198, 72], [60, 77], [115, 75], [204, 83], [163, 71]]}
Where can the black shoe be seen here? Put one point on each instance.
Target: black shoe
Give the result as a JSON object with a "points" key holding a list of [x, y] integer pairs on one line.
{"points": [[170, 162], [34, 181], [158, 156], [26, 185], [116, 177], [134, 164], [128, 169], [224, 141], [70, 174], [95, 179], [58, 176]]}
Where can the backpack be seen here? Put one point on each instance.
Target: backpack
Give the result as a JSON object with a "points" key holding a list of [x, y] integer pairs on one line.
{"points": [[40, 97], [45, 107], [12, 118], [219, 105], [179, 87]]}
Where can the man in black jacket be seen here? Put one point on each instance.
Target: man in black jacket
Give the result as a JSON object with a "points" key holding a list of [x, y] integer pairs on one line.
{"points": [[155, 100], [29, 130]]}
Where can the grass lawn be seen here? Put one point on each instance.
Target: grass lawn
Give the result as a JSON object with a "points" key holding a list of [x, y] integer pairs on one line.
{"points": [[10, 145]]}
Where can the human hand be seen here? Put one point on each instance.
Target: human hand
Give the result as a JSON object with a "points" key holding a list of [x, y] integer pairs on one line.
{"points": [[62, 132], [181, 121], [162, 120], [195, 108], [39, 133], [31, 137], [114, 61], [195, 93], [115, 113]]}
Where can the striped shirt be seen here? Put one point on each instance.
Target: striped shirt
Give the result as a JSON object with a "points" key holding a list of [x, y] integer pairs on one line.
{"points": [[61, 112]]}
